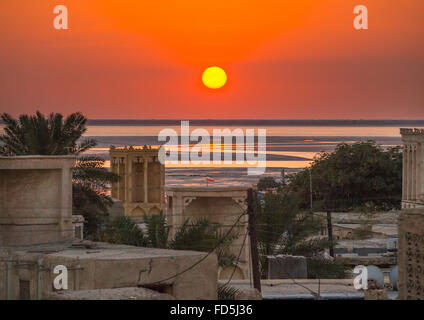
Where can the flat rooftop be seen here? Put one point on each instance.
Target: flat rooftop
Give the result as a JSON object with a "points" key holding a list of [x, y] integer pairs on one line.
{"points": [[96, 250]]}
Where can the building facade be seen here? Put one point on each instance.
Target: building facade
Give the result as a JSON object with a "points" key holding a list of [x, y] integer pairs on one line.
{"points": [[413, 168], [141, 187], [224, 206], [411, 220], [36, 236]]}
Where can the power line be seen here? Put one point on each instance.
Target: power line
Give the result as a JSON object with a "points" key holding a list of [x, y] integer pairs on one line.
{"points": [[199, 261], [238, 259]]}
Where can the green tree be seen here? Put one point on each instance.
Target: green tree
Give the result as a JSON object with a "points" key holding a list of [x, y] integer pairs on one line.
{"points": [[283, 229], [196, 235], [266, 183], [361, 176], [201, 235], [56, 135], [158, 231], [91, 182], [37, 135], [122, 230]]}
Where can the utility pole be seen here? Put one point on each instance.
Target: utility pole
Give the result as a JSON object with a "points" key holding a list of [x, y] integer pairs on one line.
{"points": [[253, 241], [310, 185], [330, 233]]}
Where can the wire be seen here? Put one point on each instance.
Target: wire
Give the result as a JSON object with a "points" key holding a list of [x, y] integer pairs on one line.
{"points": [[199, 261], [238, 259]]}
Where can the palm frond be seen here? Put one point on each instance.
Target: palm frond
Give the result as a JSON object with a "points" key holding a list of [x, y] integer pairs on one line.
{"points": [[227, 292]]}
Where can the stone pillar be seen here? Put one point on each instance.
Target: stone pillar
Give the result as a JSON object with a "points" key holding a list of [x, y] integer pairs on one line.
{"points": [[421, 195], [123, 180], [418, 172], [410, 172], [130, 179], [118, 166], [404, 174], [177, 213], [146, 164], [414, 173], [162, 185], [411, 254], [407, 176], [411, 221]]}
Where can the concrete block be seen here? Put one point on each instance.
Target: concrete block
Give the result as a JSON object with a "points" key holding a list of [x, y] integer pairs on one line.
{"points": [[35, 199], [287, 267]]}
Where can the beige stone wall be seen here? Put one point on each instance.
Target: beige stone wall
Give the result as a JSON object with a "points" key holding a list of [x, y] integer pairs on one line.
{"points": [[141, 188], [221, 205], [107, 266], [411, 254], [35, 199]]}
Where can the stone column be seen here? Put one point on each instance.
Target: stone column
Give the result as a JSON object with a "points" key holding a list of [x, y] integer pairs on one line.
{"points": [[421, 195], [411, 220], [146, 164], [411, 254], [112, 169], [118, 167], [419, 171], [416, 173], [124, 178], [404, 174], [412, 190], [409, 172], [177, 212], [162, 185], [130, 179], [407, 169]]}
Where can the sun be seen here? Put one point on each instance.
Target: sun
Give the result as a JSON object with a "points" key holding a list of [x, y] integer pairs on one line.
{"points": [[214, 77]]}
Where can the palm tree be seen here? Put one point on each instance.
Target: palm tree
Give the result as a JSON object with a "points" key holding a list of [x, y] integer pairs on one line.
{"points": [[38, 135], [201, 235], [197, 235], [284, 229], [91, 181]]}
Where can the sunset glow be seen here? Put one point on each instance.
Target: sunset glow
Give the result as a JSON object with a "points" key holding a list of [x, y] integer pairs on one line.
{"points": [[143, 59]]}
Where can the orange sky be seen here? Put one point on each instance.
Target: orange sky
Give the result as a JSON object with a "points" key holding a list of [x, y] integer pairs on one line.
{"points": [[139, 59]]}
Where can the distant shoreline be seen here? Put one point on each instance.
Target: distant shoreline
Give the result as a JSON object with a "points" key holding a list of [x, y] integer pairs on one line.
{"points": [[250, 122], [212, 122]]}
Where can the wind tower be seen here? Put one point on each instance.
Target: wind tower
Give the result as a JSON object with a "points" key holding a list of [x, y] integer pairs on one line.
{"points": [[141, 187]]}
